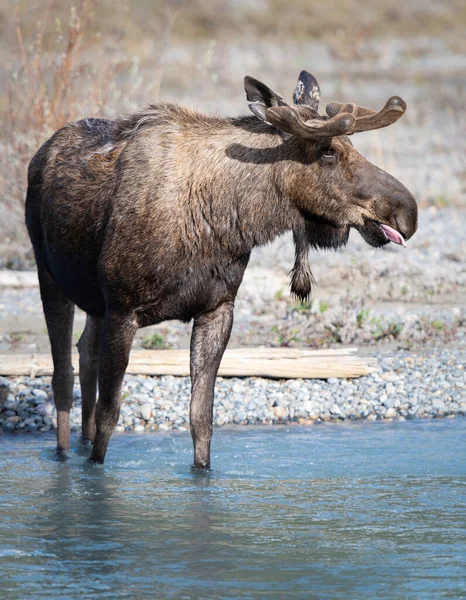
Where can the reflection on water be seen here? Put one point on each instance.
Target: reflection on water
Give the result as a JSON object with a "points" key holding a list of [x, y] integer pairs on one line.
{"points": [[348, 511]]}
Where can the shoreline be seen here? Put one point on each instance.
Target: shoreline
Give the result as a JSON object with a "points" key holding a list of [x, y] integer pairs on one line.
{"points": [[405, 386]]}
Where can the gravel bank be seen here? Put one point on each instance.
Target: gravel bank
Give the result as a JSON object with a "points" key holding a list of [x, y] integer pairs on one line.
{"points": [[406, 386]]}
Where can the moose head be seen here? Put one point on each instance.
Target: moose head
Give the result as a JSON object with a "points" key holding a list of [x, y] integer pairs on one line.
{"points": [[335, 187]]}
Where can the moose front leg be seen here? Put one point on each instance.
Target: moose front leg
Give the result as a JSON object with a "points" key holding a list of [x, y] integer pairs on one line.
{"points": [[114, 348], [211, 332]]}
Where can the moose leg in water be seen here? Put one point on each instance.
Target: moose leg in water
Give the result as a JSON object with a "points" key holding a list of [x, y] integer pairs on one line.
{"points": [[114, 348], [88, 347], [59, 313], [211, 332]]}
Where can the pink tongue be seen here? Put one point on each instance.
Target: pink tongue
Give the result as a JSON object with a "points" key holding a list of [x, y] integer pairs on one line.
{"points": [[393, 235]]}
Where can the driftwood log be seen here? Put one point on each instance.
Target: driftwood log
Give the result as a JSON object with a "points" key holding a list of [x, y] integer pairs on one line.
{"points": [[277, 363]]}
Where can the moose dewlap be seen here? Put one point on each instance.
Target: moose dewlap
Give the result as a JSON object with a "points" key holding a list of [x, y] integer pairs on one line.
{"points": [[154, 216]]}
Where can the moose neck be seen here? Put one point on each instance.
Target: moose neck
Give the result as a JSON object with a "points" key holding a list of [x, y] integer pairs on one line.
{"points": [[248, 177]]}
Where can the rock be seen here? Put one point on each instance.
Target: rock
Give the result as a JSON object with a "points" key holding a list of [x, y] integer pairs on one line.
{"points": [[302, 421], [39, 395], [279, 411], [390, 413], [438, 405], [389, 402], [14, 419], [145, 412], [10, 403], [335, 410], [149, 385]]}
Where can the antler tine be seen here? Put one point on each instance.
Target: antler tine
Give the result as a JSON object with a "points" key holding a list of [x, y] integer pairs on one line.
{"points": [[290, 121], [367, 119], [334, 108], [394, 108]]}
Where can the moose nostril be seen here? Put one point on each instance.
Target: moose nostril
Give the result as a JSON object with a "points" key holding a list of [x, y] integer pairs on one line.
{"points": [[406, 222], [401, 229]]}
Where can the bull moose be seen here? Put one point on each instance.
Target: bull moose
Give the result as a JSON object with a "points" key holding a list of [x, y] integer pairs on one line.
{"points": [[153, 217]]}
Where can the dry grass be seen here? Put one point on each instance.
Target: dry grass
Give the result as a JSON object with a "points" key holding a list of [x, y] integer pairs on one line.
{"points": [[45, 92], [288, 19], [48, 88]]}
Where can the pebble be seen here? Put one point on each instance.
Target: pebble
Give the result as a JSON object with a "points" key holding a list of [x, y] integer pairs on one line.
{"points": [[152, 403], [145, 412]]}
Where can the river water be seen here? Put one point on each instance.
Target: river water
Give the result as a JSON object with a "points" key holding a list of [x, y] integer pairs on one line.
{"points": [[332, 511]]}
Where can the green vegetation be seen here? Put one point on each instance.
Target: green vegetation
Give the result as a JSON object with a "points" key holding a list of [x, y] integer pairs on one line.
{"points": [[15, 338], [155, 341], [280, 294], [304, 306], [323, 306], [310, 305], [362, 317], [285, 337], [390, 330]]}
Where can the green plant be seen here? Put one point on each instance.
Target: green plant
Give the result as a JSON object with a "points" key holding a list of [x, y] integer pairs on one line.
{"points": [[284, 337], [333, 334], [303, 306], [15, 338], [362, 317], [155, 341], [323, 306], [440, 201], [392, 329], [280, 294]]}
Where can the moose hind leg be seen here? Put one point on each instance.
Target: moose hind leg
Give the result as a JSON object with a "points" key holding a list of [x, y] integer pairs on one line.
{"points": [[114, 348], [59, 314], [88, 347], [211, 332]]}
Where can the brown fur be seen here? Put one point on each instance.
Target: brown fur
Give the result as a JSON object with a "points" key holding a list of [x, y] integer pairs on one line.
{"points": [[153, 217]]}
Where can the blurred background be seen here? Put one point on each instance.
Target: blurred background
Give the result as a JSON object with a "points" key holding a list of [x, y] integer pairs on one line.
{"points": [[67, 60]]}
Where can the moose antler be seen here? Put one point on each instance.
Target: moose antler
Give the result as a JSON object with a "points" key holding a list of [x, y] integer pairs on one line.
{"points": [[303, 120], [367, 119], [291, 121]]}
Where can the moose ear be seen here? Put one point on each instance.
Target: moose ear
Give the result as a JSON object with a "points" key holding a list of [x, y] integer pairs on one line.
{"points": [[307, 91], [261, 97], [256, 91]]}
